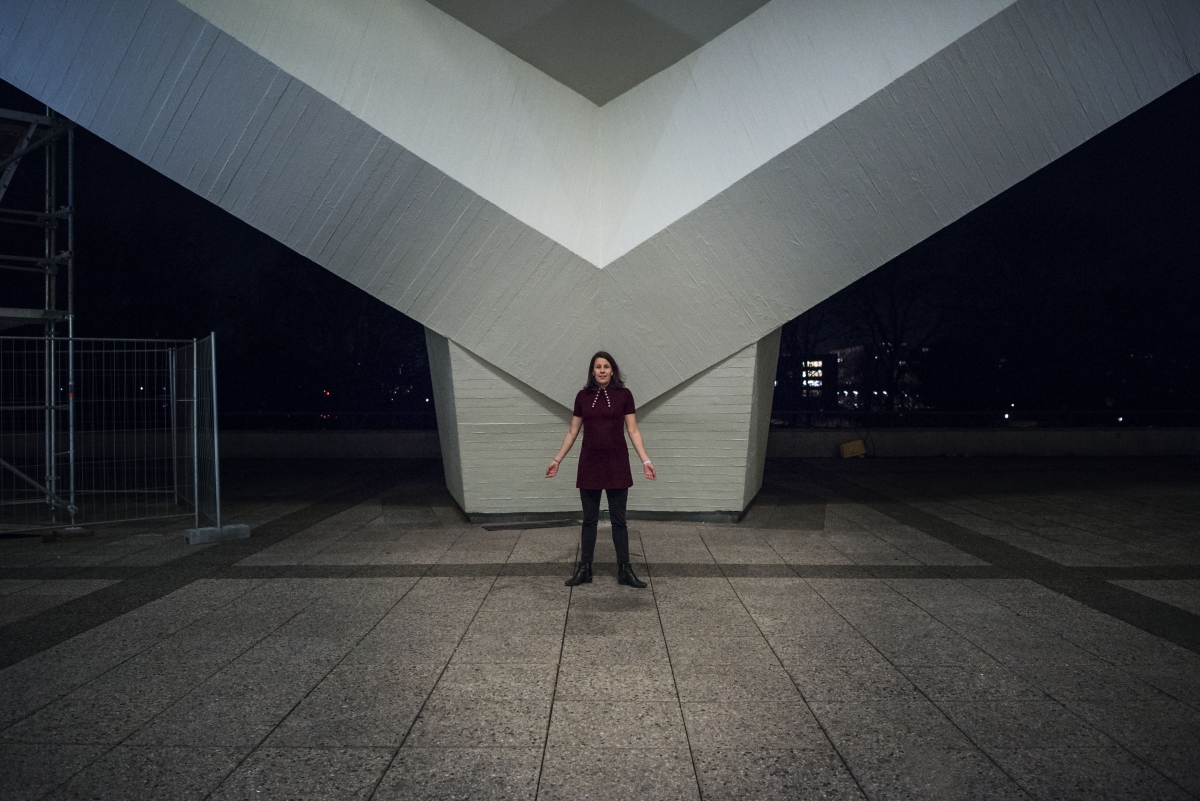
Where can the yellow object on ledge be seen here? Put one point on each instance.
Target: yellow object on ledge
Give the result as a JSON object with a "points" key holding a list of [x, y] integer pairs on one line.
{"points": [[853, 448]]}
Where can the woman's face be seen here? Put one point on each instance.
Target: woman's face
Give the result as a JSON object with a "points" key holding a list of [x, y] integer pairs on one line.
{"points": [[602, 371]]}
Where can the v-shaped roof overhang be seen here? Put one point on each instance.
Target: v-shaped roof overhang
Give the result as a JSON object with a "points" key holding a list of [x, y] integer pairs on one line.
{"points": [[789, 156], [597, 180]]}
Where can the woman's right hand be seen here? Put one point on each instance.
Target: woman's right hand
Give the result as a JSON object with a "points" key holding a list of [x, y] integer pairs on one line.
{"points": [[551, 470]]}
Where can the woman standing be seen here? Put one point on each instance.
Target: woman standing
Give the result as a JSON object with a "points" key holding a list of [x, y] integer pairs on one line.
{"points": [[604, 410]]}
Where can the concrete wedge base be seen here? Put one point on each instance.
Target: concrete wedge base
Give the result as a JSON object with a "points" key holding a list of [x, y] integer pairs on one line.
{"points": [[707, 437]]}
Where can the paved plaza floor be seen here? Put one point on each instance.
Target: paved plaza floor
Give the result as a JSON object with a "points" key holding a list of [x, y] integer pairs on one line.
{"points": [[943, 628]]}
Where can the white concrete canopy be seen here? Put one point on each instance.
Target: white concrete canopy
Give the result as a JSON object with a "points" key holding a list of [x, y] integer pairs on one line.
{"points": [[789, 156], [597, 180], [676, 225]]}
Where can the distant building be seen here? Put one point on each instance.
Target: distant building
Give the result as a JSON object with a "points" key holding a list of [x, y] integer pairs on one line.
{"points": [[807, 382], [874, 378]]}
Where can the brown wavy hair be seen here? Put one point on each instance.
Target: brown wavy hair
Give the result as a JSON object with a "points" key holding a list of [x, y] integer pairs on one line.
{"points": [[615, 381]]}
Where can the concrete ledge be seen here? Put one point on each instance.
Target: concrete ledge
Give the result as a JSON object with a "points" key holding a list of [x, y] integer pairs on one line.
{"points": [[510, 518], [202, 536], [717, 516], [574, 517], [916, 442], [798, 442], [330, 445]]}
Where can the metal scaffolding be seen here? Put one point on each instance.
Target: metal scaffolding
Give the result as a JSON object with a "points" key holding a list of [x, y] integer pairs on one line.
{"points": [[23, 138], [91, 430]]}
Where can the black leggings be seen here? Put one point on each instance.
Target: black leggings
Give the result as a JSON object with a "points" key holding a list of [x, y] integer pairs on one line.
{"points": [[616, 513]]}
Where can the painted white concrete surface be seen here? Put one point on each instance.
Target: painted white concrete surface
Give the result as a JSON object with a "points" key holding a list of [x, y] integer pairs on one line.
{"points": [[675, 141], [598, 181], [497, 435], [447, 94], [1006, 98]]}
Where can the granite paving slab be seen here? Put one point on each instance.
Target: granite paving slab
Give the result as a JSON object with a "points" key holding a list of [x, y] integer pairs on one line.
{"points": [[584, 681], [873, 727], [152, 772], [394, 644], [94, 715], [825, 649], [1012, 724], [1086, 682], [359, 705], [774, 774], [237, 707], [30, 771], [461, 774], [776, 724], [617, 724], [476, 723], [595, 774], [974, 682], [584, 622], [490, 681], [616, 649], [858, 681], [927, 773], [1084, 774], [343, 773], [1182, 593], [717, 649], [734, 683], [508, 648]]}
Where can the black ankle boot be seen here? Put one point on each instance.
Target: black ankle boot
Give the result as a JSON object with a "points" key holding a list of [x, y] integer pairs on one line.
{"points": [[626, 576], [583, 575]]}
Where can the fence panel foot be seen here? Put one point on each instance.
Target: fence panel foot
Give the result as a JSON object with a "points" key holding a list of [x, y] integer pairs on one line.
{"points": [[233, 531]]}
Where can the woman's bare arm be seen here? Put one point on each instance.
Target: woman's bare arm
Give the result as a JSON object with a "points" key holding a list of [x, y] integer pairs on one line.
{"points": [[635, 437], [568, 441]]}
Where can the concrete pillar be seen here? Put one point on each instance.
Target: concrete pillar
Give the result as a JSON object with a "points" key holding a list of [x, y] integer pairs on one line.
{"points": [[707, 437]]}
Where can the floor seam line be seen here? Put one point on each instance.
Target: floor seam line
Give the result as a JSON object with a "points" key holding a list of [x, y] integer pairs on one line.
{"points": [[804, 700], [186, 572], [1036, 568], [123, 661], [554, 691], [1047, 695], [687, 737], [441, 673]]}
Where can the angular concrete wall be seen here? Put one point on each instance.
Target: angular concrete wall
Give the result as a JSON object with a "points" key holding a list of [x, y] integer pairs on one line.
{"points": [[498, 435], [707, 437], [447, 413], [766, 357]]}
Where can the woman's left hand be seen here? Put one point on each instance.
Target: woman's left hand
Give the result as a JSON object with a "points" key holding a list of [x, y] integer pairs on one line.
{"points": [[648, 469]]}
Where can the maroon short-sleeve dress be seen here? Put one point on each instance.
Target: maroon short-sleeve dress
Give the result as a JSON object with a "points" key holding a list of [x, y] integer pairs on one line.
{"points": [[604, 458]]}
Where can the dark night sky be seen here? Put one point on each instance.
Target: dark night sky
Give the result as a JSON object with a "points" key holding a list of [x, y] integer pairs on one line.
{"points": [[1074, 290]]}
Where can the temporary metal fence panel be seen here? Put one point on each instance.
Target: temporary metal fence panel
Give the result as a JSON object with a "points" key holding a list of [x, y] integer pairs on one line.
{"points": [[107, 430], [204, 438]]}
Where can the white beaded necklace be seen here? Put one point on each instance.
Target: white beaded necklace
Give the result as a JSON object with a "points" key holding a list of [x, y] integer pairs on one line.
{"points": [[606, 399]]}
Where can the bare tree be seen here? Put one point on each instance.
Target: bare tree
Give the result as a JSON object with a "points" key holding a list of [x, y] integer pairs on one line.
{"points": [[896, 314]]}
